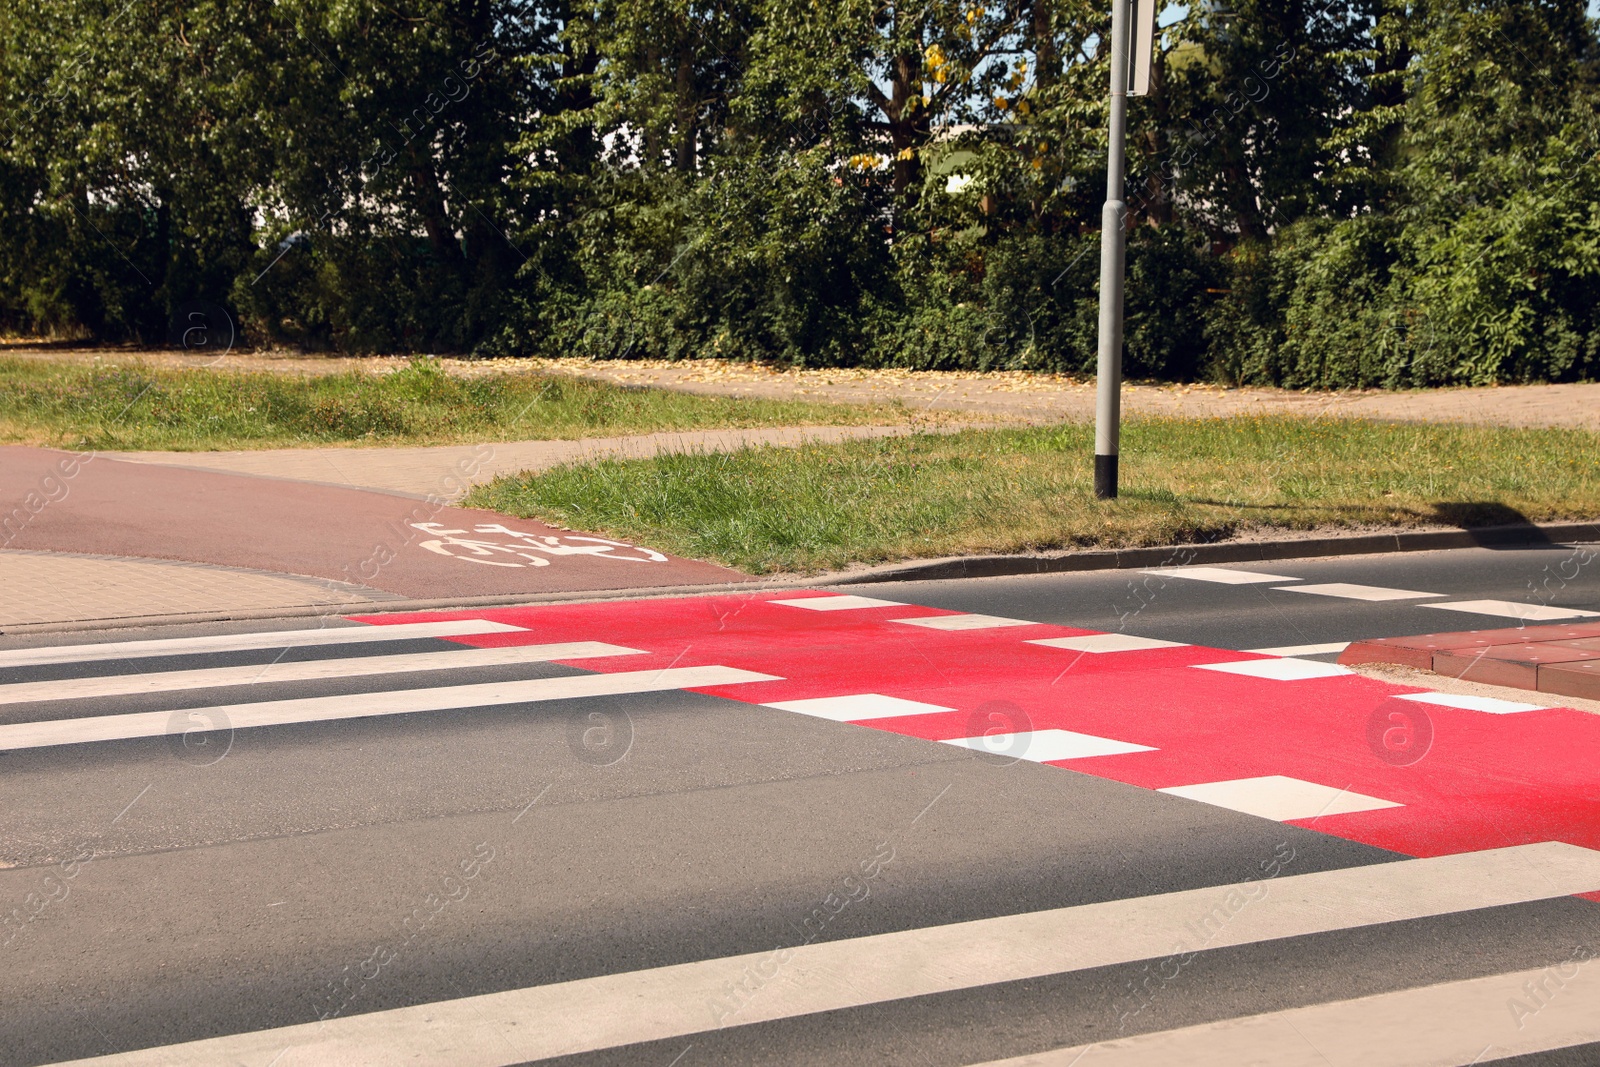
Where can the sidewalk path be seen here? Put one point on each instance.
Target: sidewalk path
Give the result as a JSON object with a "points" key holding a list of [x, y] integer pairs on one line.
{"points": [[1024, 396], [446, 472], [52, 587], [273, 542]]}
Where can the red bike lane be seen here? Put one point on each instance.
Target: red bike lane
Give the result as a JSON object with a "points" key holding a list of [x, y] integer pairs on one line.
{"points": [[1301, 742], [95, 504]]}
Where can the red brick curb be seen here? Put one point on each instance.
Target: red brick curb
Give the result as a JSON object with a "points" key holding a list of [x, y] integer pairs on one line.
{"points": [[1562, 659]]}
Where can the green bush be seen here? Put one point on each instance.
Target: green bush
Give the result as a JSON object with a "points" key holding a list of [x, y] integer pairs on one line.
{"points": [[1324, 195]]}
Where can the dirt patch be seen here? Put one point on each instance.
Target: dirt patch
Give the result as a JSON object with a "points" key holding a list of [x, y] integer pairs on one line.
{"points": [[1024, 397]]}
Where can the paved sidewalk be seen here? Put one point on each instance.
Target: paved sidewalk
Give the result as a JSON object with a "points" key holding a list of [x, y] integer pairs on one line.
{"points": [[44, 588], [113, 538], [447, 472], [91, 537], [1561, 659]]}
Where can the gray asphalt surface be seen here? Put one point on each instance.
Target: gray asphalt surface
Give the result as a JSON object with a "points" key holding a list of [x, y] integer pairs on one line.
{"points": [[1262, 616], [236, 885]]}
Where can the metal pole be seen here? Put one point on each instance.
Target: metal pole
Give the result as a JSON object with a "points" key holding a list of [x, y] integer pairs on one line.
{"points": [[1108, 392]]}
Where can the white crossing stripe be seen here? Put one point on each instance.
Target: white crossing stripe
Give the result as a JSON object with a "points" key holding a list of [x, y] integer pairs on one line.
{"points": [[1220, 575], [1349, 591], [1287, 669], [363, 705], [964, 622], [837, 603], [1490, 705], [298, 671], [1279, 797], [181, 646], [589, 1014], [1512, 610], [858, 707], [1043, 746], [1101, 643], [1477, 1020], [1302, 650]]}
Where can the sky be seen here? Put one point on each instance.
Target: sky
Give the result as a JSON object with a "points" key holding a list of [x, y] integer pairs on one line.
{"points": [[1173, 12]]}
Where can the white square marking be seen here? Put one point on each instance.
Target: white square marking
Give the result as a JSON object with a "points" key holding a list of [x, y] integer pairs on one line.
{"points": [[1347, 591], [1491, 705], [857, 708], [1280, 798], [1220, 575], [1044, 746], [1106, 643], [964, 622], [837, 603], [1287, 669], [1302, 650], [1511, 610]]}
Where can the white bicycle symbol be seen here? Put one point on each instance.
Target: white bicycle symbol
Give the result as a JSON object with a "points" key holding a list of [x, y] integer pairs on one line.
{"points": [[531, 550]]}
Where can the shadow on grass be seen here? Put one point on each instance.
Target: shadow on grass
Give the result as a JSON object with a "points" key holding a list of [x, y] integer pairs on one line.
{"points": [[1474, 515], [51, 345], [1240, 505], [1467, 515]]}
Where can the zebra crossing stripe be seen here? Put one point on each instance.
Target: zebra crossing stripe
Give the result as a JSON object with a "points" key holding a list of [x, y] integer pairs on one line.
{"points": [[179, 646], [1477, 1020], [364, 705], [302, 671], [609, 1011]]}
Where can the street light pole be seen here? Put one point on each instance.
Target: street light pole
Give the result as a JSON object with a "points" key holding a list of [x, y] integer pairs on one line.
{"points": [[1108, 368]]}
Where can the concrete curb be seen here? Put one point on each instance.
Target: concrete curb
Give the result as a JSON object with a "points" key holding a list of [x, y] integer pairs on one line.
{"points": [[383, 607], [1224, 552], [922, 570]]}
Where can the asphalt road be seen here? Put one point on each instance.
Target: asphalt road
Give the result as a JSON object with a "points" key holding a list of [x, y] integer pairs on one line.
{"points": [[1266, 615], [165, 887]]}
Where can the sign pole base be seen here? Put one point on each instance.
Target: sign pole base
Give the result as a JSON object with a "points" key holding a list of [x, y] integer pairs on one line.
{"points": [[1105, 477]]}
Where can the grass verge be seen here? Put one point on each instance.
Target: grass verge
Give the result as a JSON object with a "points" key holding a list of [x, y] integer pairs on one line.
{"points": [[137, 406], [829, 506]]}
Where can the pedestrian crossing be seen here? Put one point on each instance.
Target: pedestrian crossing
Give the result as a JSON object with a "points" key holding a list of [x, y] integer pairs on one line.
{"points": [[302, 671], [1504, 812], [1471, 1021], [127, 726], [630, 1008], [1375, 594], [1133, 709], [1182, 719], [1512, 610], [181, 646]]}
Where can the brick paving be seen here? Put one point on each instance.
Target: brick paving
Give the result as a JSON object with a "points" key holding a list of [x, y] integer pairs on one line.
{"points": [[54, 587], [1562, 660]]}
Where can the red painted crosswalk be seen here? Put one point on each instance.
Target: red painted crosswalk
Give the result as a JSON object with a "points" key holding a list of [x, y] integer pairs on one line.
{"points": [[1312, 745]]}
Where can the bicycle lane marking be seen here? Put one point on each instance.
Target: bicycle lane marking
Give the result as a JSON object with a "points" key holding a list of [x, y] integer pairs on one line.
{"points": [[475, 550], [1486, 781]]}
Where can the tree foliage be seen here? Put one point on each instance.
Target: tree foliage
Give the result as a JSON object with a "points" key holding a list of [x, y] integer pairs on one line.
{"points": [[1322, 192]]}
